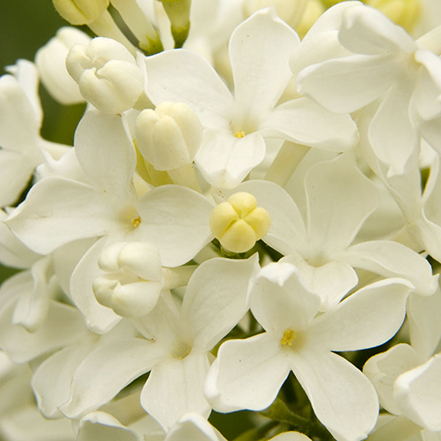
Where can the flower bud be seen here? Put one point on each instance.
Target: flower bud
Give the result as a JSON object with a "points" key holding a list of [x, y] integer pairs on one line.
{"points": [[404, 13], [51, 63], [239, 223], [107, 74], [133, 281], [178, 12], [169, 136], [80, 12]]}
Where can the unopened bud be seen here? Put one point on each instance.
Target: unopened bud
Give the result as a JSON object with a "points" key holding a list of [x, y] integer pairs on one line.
{"points": [[404, 13], [107, 74], [51, 63], [133, 281], [169, 136], [80, 12], [239, 223], [178, 12]]}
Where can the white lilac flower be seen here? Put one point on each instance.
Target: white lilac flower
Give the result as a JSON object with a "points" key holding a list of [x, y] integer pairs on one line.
{"points": [[236, 125], [387, 67], [249, 373], [339, 198], [107, 206], [176, 347]]}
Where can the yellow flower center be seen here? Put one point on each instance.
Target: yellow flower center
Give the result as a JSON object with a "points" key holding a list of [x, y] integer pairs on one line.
{"points": [[136, 222], [240, 134], [288, 336], [239, 223]]}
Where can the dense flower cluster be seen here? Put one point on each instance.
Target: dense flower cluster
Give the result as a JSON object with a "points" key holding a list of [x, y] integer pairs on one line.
{"points": [[242, 213]]}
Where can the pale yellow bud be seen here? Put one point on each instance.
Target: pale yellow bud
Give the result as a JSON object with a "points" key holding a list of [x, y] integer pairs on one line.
{"points": [[404, 13], [178, 12], [169, 136], [239, 223], [80, 12], [132, 279]]}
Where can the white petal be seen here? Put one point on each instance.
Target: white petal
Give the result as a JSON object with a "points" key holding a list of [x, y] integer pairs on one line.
{"points": [[27, 423], [423, 315], [26, 74], [58, 211], [392, 133], [63, 326], [31, 308], [181, 76], [175, 387], [365, 319], [331, 281], [428, 88], [383, 369], [97, 426], [13, 252], [51, 381], [392, 259], [368, 31], [305, 122], [225, 160], [287, 231], [247, 374], [195, 428], [216, 298], [339, 199], [177, 222], [104, 151], [419, 394], [348, 84], [343, 399], [260, 49], [107, 370], [19, 125], [280, 301], [431, 132]]}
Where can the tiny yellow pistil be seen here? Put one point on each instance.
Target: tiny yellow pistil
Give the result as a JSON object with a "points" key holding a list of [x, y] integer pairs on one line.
{"points": [[288, 336], [239, 223], [240, 134], [136, 222]]}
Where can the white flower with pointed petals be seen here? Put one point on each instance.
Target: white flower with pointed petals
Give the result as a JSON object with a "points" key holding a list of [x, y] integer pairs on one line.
{"points": [[387, 65], [249, 373], [58, 211], [236, 126], [339, 198], [176, 347]]}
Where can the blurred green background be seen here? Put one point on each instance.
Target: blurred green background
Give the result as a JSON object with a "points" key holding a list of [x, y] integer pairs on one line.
{"points": [[25, 26]]}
